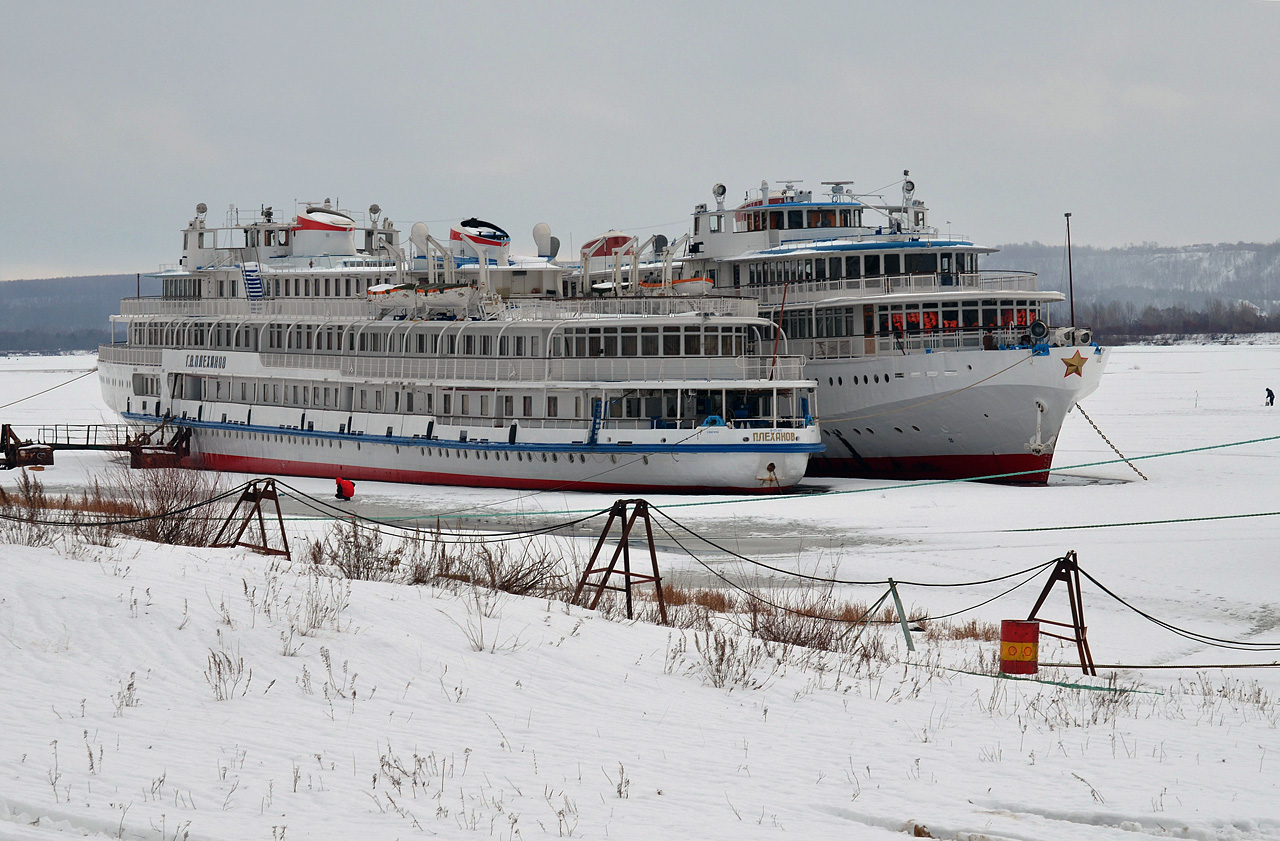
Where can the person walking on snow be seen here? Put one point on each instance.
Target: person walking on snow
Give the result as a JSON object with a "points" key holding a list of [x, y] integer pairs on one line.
{"points": [[1271, 397]]}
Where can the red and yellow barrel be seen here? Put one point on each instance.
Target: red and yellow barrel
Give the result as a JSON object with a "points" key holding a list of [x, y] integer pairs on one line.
{"points": [[1019, 646]]}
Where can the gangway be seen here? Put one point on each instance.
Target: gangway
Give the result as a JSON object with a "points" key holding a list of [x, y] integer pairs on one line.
{"points": [[160, 446]]}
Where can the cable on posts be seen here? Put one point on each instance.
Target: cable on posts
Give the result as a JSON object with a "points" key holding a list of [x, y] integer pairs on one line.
{"points": [[334, 511], [130, 520], [822, 580], [1193, 636]]}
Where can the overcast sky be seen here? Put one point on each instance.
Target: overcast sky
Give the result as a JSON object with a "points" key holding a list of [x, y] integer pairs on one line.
{"points": [[1149, 121]]}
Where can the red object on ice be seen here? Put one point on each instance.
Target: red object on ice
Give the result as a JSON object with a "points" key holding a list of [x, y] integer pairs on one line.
{"points": [[346, 487]]}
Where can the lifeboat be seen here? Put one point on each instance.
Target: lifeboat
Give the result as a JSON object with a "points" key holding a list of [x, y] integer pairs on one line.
{"points": [[681, 285]]}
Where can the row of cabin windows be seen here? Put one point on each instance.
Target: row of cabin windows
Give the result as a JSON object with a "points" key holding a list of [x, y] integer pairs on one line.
{"points": [[581, 342], [667, 403], [889, 319], [276, 287], [696, 340], [783, 220], [793, 219], [281, 337], [365, 398], [855, 266]]}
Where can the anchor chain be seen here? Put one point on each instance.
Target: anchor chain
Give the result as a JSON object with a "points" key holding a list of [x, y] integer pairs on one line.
{"points": [[1109, 444]]}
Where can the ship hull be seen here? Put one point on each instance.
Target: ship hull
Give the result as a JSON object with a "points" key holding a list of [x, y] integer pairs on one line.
{"points": [[961, 415]]}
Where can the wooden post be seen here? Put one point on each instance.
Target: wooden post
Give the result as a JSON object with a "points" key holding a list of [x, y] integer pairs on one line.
{"points": [[1068, 570], [639, 510], [254, 495]]}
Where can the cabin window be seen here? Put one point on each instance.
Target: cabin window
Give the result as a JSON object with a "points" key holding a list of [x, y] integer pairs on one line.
{"points": [[715, 224], [464, 404], [553, 406], [628, 341], [871, 266], [922, 263], [526, 405], [446, 403], [892, 265], [950, 317], [519, 345], [835, 267], [820, 269], [508, 405], [484, 405], [648, 341], [670, 341]]}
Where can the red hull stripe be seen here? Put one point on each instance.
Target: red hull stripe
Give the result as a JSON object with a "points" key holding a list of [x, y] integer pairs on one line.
{"points": [[249, 464], [940, 467]]}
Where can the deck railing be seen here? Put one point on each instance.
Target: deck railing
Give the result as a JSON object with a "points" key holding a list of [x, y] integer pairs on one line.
{"points": [[810, 291]]}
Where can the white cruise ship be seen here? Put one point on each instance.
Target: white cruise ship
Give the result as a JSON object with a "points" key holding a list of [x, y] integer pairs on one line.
{"points": [[321, 345], [928, 367]]}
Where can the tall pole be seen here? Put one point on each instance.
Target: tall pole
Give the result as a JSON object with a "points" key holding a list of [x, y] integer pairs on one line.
{"points": [[1071, 290]]}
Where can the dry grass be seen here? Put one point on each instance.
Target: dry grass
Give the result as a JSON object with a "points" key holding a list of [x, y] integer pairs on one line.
{"points": [[156, 499]]}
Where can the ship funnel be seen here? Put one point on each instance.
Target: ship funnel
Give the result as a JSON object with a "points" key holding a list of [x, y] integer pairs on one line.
{"points": [[418, 235]]}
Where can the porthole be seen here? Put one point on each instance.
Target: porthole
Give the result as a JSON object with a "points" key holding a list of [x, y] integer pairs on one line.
{"points": [[554, 457], [877, 378], [570, 458], [916, 428], [506, 456], [544, 456], [830, 381], [870, 431], [864, 379], [897, 430], [613, 457], [859, 431], [839, 380]]}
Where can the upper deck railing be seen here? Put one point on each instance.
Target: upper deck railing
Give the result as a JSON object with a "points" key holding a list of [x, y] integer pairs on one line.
{"points": [[563, 310], [725, 371], [811, 291], [516, 308]]}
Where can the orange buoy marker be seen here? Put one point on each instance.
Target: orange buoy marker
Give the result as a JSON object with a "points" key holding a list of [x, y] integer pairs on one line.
{"points": [[1019, 646]]}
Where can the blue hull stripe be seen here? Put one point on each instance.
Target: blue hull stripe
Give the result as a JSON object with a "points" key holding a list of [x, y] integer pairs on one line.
{"points": [[403, 441]]}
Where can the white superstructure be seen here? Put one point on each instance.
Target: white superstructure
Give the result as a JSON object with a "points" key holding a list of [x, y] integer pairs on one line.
{"points": [[927, 366]]}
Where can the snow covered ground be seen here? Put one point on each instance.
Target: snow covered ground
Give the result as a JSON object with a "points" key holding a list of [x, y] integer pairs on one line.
{"points": [[386, 722]]}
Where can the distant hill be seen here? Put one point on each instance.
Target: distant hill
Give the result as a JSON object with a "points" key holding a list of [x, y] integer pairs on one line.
{"points": [[1139, 276], [63, 313]]}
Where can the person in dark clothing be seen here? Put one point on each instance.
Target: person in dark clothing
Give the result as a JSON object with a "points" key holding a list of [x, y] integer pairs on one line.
{"points": [[346, 489], [1271, 397]]}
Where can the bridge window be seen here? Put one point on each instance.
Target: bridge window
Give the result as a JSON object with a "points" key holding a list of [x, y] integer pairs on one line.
{"points": [[871, 266], [892, 265], [795, 219], [922, 263]]}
